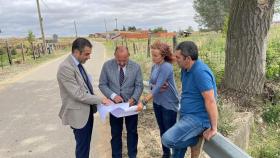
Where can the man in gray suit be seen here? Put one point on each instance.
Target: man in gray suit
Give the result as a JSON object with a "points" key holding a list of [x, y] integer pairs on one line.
{"points": [[121, 80], [78, 100]]}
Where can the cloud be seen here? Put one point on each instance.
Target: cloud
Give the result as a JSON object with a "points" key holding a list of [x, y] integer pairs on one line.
{"points": [[18, 16]]}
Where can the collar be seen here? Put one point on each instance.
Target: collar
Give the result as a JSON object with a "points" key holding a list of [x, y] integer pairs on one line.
{"points": [[194, 65], [76, 62]]}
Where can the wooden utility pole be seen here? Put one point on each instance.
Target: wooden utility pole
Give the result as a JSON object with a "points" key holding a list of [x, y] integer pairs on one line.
{"points": [[41, 25], [75, 29], [106, 29], [116, 23]]}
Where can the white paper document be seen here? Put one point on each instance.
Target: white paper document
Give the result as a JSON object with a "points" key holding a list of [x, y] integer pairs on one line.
{"points": [[118, 110]]}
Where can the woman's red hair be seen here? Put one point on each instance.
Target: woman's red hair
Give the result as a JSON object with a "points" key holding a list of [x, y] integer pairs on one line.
{"points": [[165, 51]]}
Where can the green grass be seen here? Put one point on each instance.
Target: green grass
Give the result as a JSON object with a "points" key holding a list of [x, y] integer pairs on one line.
{"points": [[211, 50], [273, 55], [8, 71], [265, 137], [264, 141]]}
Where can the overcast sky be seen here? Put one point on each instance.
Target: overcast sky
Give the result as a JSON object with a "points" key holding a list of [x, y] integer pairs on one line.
{"points": [[19, 16]]}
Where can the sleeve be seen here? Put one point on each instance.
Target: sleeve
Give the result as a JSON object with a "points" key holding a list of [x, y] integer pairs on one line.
{"points": [[204, 81], [104, 81], [112, 96], [66, 77], [138, 84], [163, 74]]}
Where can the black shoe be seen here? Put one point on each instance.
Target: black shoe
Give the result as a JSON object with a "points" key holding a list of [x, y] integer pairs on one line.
{"points": [[166, 156]]}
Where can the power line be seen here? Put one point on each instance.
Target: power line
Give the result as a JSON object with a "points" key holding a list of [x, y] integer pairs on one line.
{"points": [[45, 4]]}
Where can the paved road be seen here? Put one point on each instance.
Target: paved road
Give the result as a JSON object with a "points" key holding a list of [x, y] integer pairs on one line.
{"points": [[29, 125]]}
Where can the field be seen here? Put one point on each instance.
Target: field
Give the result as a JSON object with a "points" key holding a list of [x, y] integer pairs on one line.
{"points": [[23, 57], [211, 51]]}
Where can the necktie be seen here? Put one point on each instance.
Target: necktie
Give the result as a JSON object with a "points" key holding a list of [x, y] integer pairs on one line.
{"points": [[121, 76], [85, 77]]}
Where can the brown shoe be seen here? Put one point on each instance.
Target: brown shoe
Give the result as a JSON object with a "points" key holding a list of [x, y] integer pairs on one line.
{"points": [[196, 150]]}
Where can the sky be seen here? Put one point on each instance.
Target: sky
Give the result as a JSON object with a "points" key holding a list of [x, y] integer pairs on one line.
{"points": [[17, 17]]}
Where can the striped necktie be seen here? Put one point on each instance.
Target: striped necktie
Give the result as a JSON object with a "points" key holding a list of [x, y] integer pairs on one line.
{"points": [[121, 76]]}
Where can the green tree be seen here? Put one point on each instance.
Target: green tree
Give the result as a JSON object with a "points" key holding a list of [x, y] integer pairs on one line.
{"points": [[211, 13], [2, 52], [124, 29], [158, 29], [277, 6], [189, 29], [131, 28], [30, 37], [14, 52]]}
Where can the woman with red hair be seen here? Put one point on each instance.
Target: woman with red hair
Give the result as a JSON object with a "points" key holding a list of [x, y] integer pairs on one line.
{"points": [[163, 90]]}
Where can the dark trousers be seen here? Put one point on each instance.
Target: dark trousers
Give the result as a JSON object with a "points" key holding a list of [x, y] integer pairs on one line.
{"points": [[132, 135], [165, 120], [83, 138]]}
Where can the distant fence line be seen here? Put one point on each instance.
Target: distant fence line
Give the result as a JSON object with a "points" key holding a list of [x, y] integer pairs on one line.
{"points": [[143, 46], [9, 52]]}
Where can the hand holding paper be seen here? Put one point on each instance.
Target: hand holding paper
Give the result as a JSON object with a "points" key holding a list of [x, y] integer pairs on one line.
{"points": [[118, 110]]}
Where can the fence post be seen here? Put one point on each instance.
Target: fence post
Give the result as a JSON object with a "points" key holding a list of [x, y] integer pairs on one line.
{"points": [[116, 43], [2, 64], [43, 47], [125, 41], [22, 53], [149, 43], [33, 51], [174, 43], [39, 50], [49, 48], [134, 48], [9, 53]]}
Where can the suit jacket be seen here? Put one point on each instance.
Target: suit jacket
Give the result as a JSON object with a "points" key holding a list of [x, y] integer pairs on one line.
{"points": [[75, 95], [132, 86]]}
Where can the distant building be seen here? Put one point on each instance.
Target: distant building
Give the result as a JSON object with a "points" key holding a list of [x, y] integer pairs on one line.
{"points": [[140, 34], [164, 34]]}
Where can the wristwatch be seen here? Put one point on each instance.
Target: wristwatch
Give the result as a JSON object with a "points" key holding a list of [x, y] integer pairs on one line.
{"points": [[144, 102]]}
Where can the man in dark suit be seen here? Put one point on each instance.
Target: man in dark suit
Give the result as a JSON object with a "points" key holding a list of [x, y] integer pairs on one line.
{"points": [[121, 80]]}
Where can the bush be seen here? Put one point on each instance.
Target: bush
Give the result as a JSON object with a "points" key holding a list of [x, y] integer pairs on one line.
{"points": [[273, 59], [271, 114], [2, 52], [266, 151], [269, 152], [14, 51]]}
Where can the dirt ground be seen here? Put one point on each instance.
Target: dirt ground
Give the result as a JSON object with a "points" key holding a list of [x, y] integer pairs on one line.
{"points": [[149, 145]]}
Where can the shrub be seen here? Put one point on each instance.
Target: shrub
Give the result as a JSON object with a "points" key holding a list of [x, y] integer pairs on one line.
{"points": [[14, 51], [271, 114], [2, 52]]}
